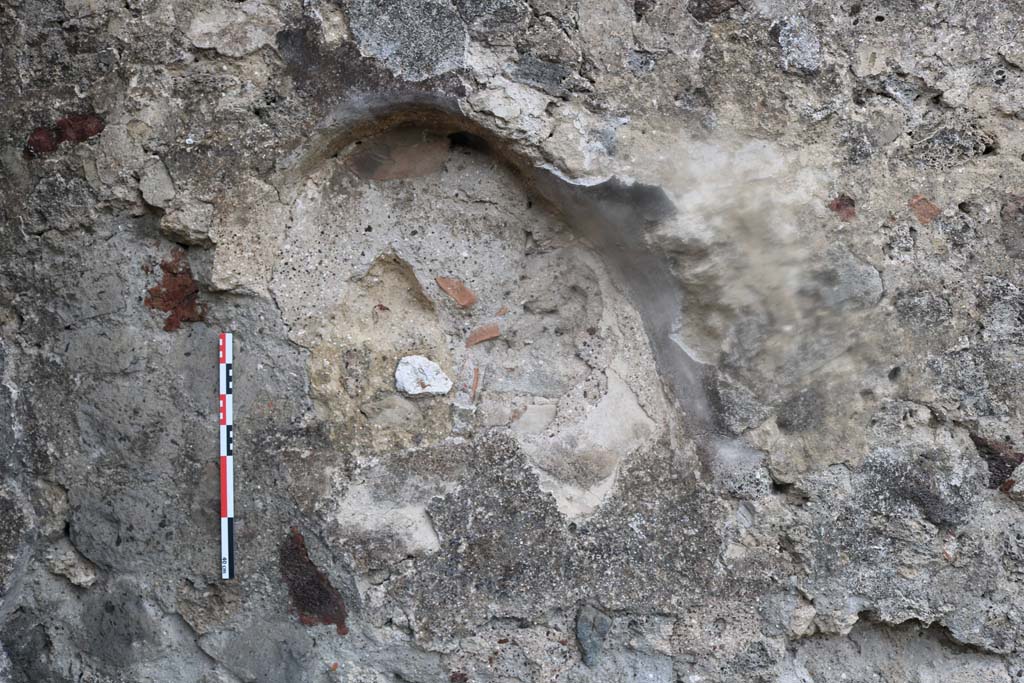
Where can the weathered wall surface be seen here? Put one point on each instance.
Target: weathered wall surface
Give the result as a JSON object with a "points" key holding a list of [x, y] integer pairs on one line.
{"points": [[729, 294]]}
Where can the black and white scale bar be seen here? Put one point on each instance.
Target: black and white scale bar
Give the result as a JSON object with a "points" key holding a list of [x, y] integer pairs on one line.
{"points": [[227, 459]]}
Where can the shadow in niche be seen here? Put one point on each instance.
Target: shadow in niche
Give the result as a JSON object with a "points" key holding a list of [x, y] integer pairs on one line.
{"points": [[614, 216]]}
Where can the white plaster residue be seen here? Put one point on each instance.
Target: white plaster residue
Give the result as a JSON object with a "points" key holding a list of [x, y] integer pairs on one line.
{"points": [[579, 463], [361, 511]]}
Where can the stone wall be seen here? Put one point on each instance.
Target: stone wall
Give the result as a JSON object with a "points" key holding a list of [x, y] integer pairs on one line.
{"points": [[712, 314]]}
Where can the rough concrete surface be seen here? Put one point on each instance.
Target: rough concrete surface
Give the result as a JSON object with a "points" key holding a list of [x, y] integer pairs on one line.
{"points": [[717, 307]]}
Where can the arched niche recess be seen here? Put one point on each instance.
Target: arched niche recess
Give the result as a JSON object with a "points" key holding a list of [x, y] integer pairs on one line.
{"points": [[586, 368]]}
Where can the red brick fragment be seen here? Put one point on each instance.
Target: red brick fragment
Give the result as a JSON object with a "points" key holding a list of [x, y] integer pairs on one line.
{"points": [[925, 211], [313, 596], [42, 141], [79, 127], [462, 295], [503, 311], [844, 206], [483, 333], [74, 129], [177, 294]]}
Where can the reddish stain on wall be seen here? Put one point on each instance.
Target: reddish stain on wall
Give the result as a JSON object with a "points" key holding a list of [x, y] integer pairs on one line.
{"points": [[177, 294]]}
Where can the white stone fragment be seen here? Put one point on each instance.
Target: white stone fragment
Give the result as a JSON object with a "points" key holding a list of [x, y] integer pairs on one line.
{"points": [[416, 375]]}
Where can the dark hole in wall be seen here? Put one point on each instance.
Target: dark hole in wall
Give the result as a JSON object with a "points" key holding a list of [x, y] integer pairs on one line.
{"points": [[469, 141]]}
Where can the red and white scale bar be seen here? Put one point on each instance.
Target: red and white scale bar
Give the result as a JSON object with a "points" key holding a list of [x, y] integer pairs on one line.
{"points": [[227, 460]]}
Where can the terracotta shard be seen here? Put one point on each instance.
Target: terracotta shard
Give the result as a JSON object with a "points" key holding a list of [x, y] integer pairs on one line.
{"points": [[925, 211], [483, 333], [462, 295]]}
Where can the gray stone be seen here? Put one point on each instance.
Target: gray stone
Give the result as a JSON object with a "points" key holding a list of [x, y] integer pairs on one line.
{"points": [[62, 204], [801, 411], [923, 308], [415, 40], [801, 48], [740, 470], [912, 649], [261, 651], [156, 185], [188, 223], [1012, 215], [592, 628], [14, 528], [490, 17], [235, 29], [118, 624], [844, 281], [706, 10], [738, 408]]}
